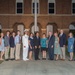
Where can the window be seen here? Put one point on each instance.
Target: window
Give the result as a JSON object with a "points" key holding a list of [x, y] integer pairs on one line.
{"points": [[19, 6], [51, 6], [33, 6], [73, 6]]}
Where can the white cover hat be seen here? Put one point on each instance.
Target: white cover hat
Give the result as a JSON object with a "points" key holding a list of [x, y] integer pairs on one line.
{"points": [[26, 30]]}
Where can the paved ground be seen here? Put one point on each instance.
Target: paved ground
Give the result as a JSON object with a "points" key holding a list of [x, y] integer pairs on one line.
{"points": [[40, 67]]}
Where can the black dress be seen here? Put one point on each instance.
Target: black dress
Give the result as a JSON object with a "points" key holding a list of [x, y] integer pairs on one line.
{"points": [[31, 39]]}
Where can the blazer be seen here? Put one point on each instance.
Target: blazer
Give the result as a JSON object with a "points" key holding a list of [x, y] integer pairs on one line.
{"points": [[12, 41], [62, 40], [6, 41], [51, 41], [36, 41]]}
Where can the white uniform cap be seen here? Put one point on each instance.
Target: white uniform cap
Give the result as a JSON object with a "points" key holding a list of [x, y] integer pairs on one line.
{"points": [[26, 30]]}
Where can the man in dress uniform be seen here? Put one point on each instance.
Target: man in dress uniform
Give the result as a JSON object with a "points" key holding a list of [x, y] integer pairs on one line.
{"points": [[25, 45]]}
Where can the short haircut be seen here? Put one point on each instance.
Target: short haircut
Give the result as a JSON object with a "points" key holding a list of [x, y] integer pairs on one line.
{"points": [[44, 34], [18, 30], [7, 31]]}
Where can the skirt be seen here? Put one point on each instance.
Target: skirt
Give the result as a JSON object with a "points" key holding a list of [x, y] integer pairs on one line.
{"points": [[43, 49], [31, 49], [2, 48]]}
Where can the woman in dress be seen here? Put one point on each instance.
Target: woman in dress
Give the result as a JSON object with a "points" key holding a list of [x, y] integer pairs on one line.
{"points": [[1, 46], [44, 46], [57, 49], [25, 45], [70, 45], [31, 46]]}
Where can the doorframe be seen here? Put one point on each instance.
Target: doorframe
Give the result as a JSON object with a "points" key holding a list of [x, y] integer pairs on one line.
{"points": [[55, 27], [38, 24], [15, 26]]}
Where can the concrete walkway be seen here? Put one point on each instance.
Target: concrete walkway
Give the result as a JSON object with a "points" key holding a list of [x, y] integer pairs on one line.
{"points": [[40, 67]]}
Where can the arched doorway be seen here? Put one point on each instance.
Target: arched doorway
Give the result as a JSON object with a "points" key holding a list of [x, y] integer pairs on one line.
{"points": [[72, 28], [32, 28], [51, 27], [19, 26]]}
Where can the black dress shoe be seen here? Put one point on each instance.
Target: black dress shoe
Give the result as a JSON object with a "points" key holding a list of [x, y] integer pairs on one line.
{"points": [[51, 59], [38, 59], [43, 58], [12, 59], [6, 59]]}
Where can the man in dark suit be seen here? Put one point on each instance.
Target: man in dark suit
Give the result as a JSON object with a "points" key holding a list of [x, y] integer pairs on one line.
{"points": [[62, 42], [37, 46], [51, 46], [6, 44], [12, 46]]}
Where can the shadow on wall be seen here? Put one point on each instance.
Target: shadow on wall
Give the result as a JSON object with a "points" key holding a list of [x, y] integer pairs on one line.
{"points": [[72, 28]]}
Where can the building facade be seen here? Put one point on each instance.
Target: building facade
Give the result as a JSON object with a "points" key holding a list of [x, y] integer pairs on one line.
{"points": [[52, 15]]}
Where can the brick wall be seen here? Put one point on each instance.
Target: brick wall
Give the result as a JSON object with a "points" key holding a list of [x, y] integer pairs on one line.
{"points": [[62, 18]]}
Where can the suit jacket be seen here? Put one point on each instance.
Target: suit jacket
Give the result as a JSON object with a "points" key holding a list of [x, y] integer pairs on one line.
{"points": [[6, 41], [51, 41], [62, 40], [36, 41], [12, 41]]}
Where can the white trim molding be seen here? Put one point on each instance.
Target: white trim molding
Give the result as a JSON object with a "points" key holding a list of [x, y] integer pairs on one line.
{"points": [[38, 15], [64, 29], [51, 1], [5, 29], [19, 1], [43, 29], [34, 1], [26, 29]]}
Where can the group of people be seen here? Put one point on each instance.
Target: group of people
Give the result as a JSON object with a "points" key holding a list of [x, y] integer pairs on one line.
{"points": [[11, 46]]}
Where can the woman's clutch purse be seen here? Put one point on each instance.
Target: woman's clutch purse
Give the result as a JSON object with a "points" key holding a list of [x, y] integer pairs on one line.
{"points": [[71, 46]]}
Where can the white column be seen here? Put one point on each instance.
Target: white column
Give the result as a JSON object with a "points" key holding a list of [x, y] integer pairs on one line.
{"points": [[35, 19]]}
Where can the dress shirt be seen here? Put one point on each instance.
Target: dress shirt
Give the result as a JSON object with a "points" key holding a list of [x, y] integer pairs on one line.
{"points": [[17, 39]]}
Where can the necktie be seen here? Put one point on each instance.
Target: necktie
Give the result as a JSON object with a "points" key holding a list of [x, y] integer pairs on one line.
{"points": [[49, 37], [19, 39]]}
